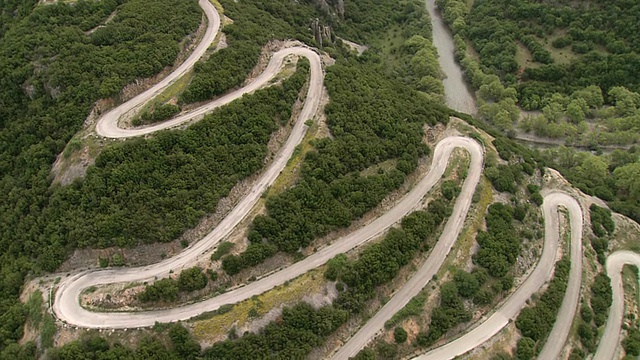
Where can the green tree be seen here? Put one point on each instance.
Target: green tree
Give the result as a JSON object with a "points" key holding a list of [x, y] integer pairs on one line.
{"points": [[466, 283], [525, 349], [183, 344], [631, 343], [400, 335], [626, 179], [592, 95], [192, 279], [576, 110]]}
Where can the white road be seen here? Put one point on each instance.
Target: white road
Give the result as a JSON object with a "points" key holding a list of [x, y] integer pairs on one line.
{"points": [[564, 319], [108, 124], [611, 336], [433, 262], [66, 305], [511, 307], [68, 309]]}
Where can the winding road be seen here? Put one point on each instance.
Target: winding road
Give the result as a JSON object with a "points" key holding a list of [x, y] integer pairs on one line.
{"points": [[542, 272], [611, 336], [108, 124], [437, 255], [66, 304], [509, 310]]}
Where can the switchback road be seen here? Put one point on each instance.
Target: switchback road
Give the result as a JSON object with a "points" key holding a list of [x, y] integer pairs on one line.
{"points": [[68, 309], [510, 309], [611, 336]]}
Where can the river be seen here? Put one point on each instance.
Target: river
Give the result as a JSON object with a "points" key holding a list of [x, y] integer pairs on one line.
{"points": [[457, 93]]}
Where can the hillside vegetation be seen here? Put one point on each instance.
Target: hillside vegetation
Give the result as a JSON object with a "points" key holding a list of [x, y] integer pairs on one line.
{"points": [[590, 98], [57, 60], [52, 70]]}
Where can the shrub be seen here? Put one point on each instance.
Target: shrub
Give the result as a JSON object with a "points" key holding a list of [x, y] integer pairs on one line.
{"points": [[192, 279], [399, 335]]}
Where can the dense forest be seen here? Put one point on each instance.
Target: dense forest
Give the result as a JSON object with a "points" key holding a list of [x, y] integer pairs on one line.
{"points": [[53, 67], [229, 67], [57, 60], [612, 177], [558, 79], [152, 190], [587, 94], [599, 34], [361, 20]]}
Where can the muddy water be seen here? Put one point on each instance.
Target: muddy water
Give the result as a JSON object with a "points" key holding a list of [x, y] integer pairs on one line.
{"points": [[458, 94]]}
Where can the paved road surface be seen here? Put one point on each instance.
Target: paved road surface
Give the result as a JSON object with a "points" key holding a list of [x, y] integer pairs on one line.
{"points": [[68, 309], [108, 125], [611, 337], [66, 305], [560, 332], [512, 306], [431, 265]]}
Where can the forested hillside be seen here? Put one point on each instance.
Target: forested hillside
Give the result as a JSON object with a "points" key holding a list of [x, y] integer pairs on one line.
{"points": [[52, 70], [254, 24], [57, 60], [574, 66], [372, 118], [12, 10]]}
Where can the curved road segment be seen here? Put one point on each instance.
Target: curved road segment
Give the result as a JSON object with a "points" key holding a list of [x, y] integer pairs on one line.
{"points": [[66, 305], [431, 265], [611, 337], [108, 125], [511, 307], [68, 309]]}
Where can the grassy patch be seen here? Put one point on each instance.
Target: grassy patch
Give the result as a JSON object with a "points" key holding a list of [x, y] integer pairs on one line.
{"points": [[47, 331], [458, 159], [293, 291], [90, 290], [468, 236], [289, 174], [173, 90], [630, 285], [413, 308], [383, 166], [288, 69], [626, 235], [222, 250], [523, 57], [390, 42], [34, 308], [560, 56], [218, 6]]}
